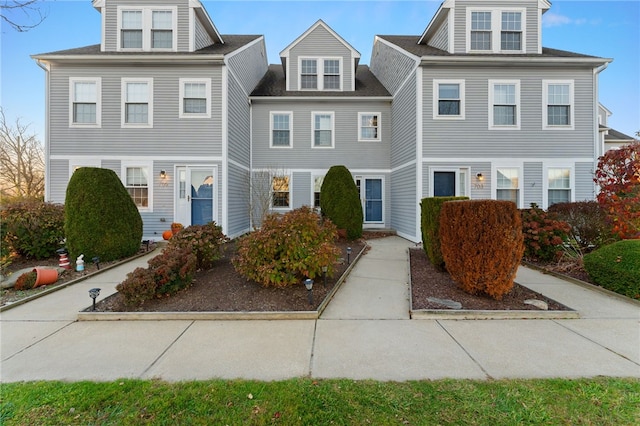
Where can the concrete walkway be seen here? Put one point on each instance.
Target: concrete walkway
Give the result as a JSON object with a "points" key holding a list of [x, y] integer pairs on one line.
{"points": [[365, 333]]}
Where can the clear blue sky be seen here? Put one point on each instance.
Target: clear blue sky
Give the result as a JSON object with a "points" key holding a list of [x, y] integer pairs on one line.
{"points": [[609, 29]]}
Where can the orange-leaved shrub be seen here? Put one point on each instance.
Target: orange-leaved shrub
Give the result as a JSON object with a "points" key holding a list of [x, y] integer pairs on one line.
{"points": [[205, 241], [287, 249], [482, 244]]}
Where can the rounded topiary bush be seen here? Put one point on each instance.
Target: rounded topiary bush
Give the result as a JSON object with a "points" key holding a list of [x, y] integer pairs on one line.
{"points": [[616, 267], [482, 244], [288, 249], [101, 219], [340, 201]]}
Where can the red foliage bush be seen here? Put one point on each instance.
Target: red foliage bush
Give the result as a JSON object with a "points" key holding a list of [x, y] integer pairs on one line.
{"points": [[482, 244], [205, 241], [588, 222], [544, 235]]}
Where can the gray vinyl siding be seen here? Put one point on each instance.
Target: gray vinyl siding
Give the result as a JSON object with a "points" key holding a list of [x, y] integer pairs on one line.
{"points": [[471, 136], [238, 221], [201, 37], [238, 118], [440, 39], [158, 221], [320, 43], [347, 151], [249, 65], [301, 189], [404, 132], [57, 180], [585, 189], [170, 134], [403, 199], [391, 66], [531, 24], [111, 28], [532, 184], [114, 165]]}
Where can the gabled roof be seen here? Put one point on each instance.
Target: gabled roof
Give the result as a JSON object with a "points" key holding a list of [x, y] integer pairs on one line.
{"points": [[319, 23], [615, 136], [274, 84]]}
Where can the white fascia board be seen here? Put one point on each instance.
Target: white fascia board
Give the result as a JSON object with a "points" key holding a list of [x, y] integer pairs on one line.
{"points": [[320, 22], [152, 58], [256, 99], [510, 60], [206, 19]]}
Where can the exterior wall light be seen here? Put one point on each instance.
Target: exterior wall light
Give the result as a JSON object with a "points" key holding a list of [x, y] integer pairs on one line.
{"points": [[163, 174], [480, 177]]}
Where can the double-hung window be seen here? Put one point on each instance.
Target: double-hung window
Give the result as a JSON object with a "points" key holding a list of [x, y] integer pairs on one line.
{"points": [[147, 28], [317, 187], [320, 74], [504, 104], [195, 97], [85, 105], [137, 182], [448, 99], [323, 134], [480, 31], [559, 185], [558, 104], [137, 102], [281, 129], [508, 185], [369, 127], [511, 34], [280, 190]]}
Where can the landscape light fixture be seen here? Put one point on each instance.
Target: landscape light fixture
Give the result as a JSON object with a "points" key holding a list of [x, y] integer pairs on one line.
{"points": [[93, 293], [96, 261], [480, 177], [308, 283], [163, 174], [348, 255], [324, 274]]}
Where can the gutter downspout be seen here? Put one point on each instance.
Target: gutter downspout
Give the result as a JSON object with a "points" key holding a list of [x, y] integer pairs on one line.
{"points": [[598, 146], [47, 147]]}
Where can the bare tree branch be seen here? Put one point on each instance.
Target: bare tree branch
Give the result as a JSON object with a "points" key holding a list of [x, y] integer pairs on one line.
{"points": [[21, 161], [22, 15]]}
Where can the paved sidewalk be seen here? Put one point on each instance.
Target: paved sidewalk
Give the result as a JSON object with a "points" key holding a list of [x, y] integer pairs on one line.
{"points": [[365, 333]]}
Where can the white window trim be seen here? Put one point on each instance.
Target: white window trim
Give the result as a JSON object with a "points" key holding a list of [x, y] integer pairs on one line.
{"points": [[466, 175], [271, 114], [494, 177], [147, 13], [313, 129], [436, 99], [492, 84], [496, 29], [545, 181], [123, 91], [98, 82], [150, 180], [271, 206], [373, 223], [314, 176], [207, 82], [379, 138], [78, 162], [320, 72], [545, 105]]}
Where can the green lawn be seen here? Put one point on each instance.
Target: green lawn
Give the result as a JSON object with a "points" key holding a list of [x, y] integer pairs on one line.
{"points": [[601, 401]]}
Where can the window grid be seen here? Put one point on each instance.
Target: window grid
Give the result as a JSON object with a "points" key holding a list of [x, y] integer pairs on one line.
{"points": [[331, 74], [507, 185], [85, 102], [195, 98], [137, 185], [504, 105], [323, 129], [136, 104], [281, 130], [559, 105], [161, 29], [480, 30], [309, 74], [559, 181], [511, 35], [280, 191], [317, 187], [369, 128], [131, 33]]}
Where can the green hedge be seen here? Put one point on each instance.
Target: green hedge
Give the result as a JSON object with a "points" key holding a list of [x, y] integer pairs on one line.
{"points": [[340, 202], [430, 226], [616, 267]]}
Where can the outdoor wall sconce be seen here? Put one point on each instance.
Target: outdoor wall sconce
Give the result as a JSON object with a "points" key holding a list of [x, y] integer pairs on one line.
{"points": [[93, 293], [308, 283], [480, 177], [348, 255], [163, 174]]}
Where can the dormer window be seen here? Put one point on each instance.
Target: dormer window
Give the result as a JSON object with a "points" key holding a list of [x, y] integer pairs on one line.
{"points": [[320, 74], [147, 28], [480, 30], [511, 35], [492, 30]]}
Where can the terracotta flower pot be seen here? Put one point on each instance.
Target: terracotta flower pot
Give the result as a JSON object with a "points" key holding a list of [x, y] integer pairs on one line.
{"points": [[45, 276]]}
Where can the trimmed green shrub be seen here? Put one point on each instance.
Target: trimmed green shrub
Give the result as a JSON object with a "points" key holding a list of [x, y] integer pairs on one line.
{"points": [[33, 229], [340, 201], [544, 235], [288, 249], [616, 267], [101, 219], [205, 241], [430, 226], [482, 244], [590, 228]]}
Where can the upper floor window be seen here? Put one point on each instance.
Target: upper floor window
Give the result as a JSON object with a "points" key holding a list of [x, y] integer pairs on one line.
{"points": [[511, 34], [195, 96], [323, 134], [558, 104], [137, 102], [448, 101], [559, 185], [147, 28], [320, 74], [85, 102], [369, 126], [281, 129], [496, 30], [504, 104]]}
